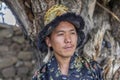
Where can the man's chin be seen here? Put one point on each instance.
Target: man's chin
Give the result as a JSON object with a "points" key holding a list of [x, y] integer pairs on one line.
{"points": [[68, 55]]}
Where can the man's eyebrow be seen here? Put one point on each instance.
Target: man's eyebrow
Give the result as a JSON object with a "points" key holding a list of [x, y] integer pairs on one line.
{"points": [[70, 30], [59, 31], [73, 30]]}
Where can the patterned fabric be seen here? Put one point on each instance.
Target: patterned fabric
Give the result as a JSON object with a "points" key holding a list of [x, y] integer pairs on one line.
{"points": [[79, 69], [53, 12]]}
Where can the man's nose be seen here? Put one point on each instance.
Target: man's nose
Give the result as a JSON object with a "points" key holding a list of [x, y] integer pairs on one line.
{"points": [[67, 39]]}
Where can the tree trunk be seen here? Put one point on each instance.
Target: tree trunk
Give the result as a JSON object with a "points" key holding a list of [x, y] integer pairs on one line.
{"points": [[102, 23]]}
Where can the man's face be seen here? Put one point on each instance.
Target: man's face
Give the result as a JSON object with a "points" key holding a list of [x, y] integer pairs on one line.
{"points": [[63, 40]]}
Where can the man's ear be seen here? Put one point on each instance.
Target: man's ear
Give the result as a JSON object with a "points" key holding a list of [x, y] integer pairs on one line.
{"points": [[47, 40]]}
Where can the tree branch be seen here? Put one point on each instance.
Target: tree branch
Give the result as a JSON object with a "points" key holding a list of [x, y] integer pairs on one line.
{"points": [[116, 17]]}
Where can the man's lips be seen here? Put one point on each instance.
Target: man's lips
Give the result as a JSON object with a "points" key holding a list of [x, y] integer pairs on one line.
{"points": [[68, 47]]}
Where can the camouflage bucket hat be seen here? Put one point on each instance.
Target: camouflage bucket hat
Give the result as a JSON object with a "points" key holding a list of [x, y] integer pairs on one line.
{"points": [[53, 17]]}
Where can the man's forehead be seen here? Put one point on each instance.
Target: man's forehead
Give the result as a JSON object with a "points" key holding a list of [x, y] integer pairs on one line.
{"points": [[63, 26]]}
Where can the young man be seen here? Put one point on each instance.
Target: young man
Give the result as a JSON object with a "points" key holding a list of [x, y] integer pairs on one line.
{"points": [[62, 35]]}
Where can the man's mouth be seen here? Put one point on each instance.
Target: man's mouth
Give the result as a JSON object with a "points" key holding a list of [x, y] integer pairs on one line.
{"points": [[68, 47]]}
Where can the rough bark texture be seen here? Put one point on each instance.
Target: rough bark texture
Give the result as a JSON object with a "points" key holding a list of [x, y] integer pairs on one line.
{"points": [[102, 25]]}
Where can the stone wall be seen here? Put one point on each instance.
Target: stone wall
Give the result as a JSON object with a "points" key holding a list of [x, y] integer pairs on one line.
{"points": [[17, 58]]}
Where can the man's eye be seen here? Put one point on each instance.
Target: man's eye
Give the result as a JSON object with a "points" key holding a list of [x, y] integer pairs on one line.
{"points": [[60, 34], [73, 32]]}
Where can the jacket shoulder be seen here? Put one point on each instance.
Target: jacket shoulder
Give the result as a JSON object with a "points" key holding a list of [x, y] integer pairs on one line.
{"points": [[39, 73]]}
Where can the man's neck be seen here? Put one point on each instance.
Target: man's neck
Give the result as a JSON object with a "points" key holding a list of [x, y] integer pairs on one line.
{"points": [[63, 64]]}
